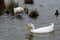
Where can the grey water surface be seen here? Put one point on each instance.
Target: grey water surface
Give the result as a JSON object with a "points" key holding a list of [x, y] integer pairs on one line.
{"points": [[12, 28]]}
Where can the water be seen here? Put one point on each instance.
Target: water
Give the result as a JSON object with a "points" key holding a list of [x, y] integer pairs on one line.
{"points": [[12, 28]]}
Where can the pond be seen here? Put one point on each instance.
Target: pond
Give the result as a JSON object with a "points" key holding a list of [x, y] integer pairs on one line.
{"points": [[12, 28]]}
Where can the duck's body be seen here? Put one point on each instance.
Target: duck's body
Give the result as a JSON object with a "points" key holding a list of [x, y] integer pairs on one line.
{"points": [[46, 29], [57, 13], [18, 9]]}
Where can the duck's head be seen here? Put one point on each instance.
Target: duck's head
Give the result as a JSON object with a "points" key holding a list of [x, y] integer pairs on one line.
{"points": [[56, 11], [30, 26]]}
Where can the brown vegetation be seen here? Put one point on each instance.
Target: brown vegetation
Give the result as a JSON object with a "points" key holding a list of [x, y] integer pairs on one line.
{"points": [[11, 6], [28, 1], [2, 6], [33, 14]]}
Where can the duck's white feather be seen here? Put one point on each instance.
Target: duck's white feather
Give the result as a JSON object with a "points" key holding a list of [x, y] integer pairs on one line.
{"points": [[18, 9], [43, 29]]}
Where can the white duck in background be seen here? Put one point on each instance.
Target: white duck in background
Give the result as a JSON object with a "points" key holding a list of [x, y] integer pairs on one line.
{"points": [[46, 29], [18, 10]]}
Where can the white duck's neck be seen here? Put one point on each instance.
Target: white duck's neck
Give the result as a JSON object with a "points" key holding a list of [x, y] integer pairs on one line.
{"points": [[33, 27]]}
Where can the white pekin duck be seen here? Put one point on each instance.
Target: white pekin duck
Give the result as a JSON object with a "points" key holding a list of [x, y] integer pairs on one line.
{"points": [[46, 29], [18, 9]]}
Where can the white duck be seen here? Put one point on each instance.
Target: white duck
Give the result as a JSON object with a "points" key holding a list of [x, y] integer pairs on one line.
{"points": [[18, 9], [46, 29]]}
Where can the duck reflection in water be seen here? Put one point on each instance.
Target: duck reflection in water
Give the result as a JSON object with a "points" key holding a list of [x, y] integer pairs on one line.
{"points": [[29, 36]]}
